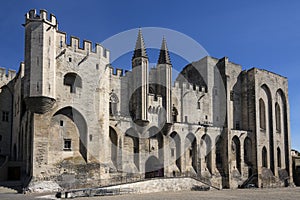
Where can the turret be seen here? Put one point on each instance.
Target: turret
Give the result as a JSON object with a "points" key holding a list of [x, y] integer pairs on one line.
{"points": [[139, 98], [40, 39], [165, 79]]}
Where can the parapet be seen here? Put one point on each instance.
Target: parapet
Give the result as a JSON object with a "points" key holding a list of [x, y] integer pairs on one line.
{"points": [[86, 47], [116, 72], [6, 77], [188, 87], [32, 15]]}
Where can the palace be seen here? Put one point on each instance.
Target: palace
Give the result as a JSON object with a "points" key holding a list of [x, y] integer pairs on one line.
{"points": [[67, 116]]}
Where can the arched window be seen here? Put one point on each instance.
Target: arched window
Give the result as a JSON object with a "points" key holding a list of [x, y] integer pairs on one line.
{"points": [[262, 114], [278, 117], [278, 157], [264, 157], [113, 102], [73, 80]]}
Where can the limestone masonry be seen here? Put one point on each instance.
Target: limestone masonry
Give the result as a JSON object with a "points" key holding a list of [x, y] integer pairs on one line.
{"points": [[68, 117]]}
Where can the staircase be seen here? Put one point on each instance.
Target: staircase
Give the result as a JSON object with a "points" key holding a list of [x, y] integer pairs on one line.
{"points": [[251, 180]]}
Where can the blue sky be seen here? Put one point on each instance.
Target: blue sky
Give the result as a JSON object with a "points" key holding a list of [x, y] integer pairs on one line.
{"points": [[263, 34]]}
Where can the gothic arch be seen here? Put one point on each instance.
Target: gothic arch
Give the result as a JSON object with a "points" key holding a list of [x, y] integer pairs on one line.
{"points": [[278, 117], [80, 122], [176, 139], [284, 117], [264, 157], [153, 168], [278, 157], [113, 145], [190, 146], [262, 114], [131, 147], [113, 103], [206, 148], [236, 150], [269, 107]]}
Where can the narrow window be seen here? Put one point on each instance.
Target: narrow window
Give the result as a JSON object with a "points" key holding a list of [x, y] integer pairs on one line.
{"points": [[70, 59], [198, 105], [172, 152], [97, 66], [67, 144], [186, 119], [61, 123], [5, 116]]}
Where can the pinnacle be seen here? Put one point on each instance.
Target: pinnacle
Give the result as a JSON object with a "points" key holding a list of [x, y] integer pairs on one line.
{"points": [[140, 49], [164, 57]]}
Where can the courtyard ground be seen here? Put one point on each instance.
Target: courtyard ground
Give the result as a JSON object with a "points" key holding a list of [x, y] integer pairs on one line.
{"points": [[245, 194]]}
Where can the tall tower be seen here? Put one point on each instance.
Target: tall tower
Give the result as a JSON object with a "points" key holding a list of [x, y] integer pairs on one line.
{"points": [[40, 40], [165, 79], [140, 82]]}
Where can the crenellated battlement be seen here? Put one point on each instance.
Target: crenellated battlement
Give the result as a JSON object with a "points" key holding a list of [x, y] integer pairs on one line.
{"points": [[7, 75], [84, 46], [116, 72], [188, 87], [32, 15]]}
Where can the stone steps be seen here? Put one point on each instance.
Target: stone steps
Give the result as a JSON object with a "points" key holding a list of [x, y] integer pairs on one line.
{"points": [[147, 186], [5, 190]]}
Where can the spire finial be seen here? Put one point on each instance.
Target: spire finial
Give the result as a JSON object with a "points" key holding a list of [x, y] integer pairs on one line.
{"points": [[140, 49], [164, 57]]}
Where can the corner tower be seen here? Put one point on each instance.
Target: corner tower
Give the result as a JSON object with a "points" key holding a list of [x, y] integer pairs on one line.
{"points": [[39, 84], [164, 67], [140, 82]]}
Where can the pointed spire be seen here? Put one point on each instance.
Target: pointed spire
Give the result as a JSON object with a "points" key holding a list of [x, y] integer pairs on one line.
{"points": [[140, 49], [164, 57]]}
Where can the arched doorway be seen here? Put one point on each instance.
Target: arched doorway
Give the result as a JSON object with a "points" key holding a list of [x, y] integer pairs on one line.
{"points": [[77, 118], [206, 147], [153, 168], [113, 145], [176, 149], [236, 150], [190, 146]]}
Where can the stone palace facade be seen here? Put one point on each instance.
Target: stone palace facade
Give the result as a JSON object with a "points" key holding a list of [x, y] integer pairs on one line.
{"points": [[69, 117]]}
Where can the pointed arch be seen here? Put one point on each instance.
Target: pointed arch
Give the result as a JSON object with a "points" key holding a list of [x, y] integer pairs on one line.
{"points": [[153, 168], [264, 157], [81, 125], [190, 146], [278, 117], [131, 147], [269, 121], [206, 145], [285, 131], [177, 151], [278, 157], [236, 150], [113, 145], [262, 114]]}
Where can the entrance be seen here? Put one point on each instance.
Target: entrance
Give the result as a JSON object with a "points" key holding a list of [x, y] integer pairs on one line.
{"points": [[153, 168]]}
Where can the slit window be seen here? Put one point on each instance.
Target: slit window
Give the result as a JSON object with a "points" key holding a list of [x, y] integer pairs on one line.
{"points": [[5, 116]]}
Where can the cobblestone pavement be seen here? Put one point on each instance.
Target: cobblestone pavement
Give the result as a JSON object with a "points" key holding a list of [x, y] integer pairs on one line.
{"points": [[246, 194]]}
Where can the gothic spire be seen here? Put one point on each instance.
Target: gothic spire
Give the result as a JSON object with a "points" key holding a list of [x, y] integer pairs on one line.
{"points": [[140, 49], [164, 57]]}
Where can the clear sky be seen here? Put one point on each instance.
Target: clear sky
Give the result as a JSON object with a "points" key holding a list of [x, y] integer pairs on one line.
{"points": [[263, 34]]}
